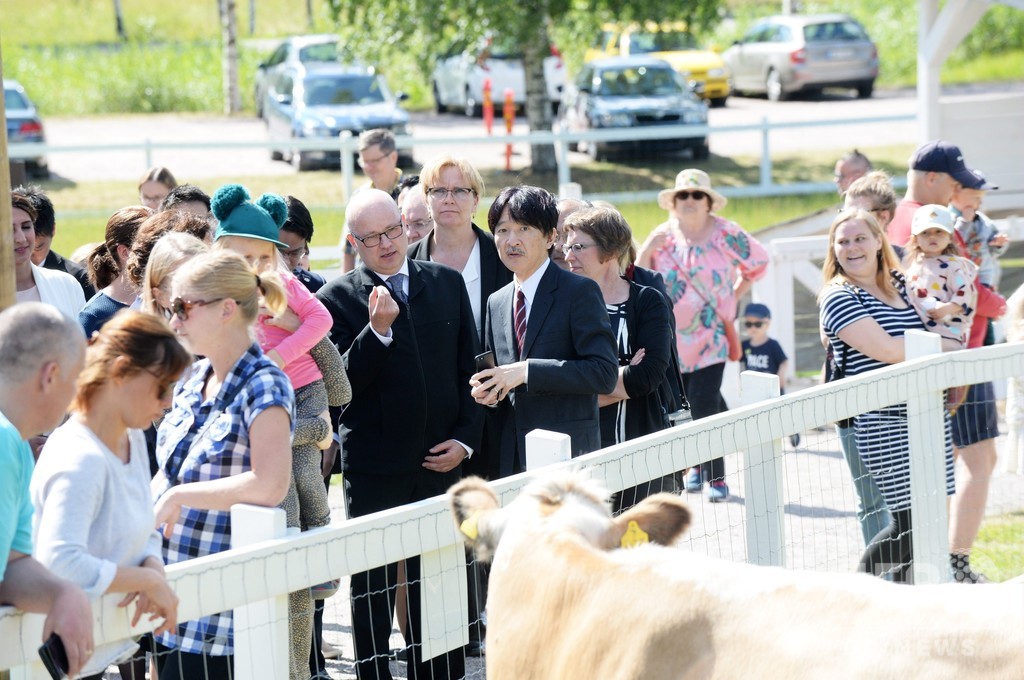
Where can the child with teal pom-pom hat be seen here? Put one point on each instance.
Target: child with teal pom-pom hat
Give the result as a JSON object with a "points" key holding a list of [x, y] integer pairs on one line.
{"points": [[251, 230]]}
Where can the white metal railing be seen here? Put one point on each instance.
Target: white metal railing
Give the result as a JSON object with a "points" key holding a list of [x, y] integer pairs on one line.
{"points": [[255, 578], [347, 143]]}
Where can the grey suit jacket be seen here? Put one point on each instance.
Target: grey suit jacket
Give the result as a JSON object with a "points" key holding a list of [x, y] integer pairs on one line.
{"points": [[571, 353]]}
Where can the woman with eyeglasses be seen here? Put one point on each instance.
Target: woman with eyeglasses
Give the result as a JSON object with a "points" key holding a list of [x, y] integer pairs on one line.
{"points": [[226, 439], [168, 254], [598, 241], [94, 522], [865, 312], [709, 263]]}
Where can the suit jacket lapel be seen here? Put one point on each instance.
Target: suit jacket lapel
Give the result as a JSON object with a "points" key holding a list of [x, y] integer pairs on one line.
{"points": [[416, 282], [542, 302]]}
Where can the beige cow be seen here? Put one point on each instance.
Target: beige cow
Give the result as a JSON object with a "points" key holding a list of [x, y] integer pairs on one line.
{"points": [[567, 601]]}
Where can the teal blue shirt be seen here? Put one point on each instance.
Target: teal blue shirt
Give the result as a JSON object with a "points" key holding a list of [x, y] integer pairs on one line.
{"points": [[16, 465]]}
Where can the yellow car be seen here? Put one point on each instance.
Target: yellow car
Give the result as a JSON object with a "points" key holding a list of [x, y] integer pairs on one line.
{"points": [[704, 69]]}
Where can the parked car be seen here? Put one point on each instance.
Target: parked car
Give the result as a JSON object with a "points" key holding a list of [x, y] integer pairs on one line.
{"points": [[294, 51], [24, 126], [784, 55], [673, 42], [459, 75], [320, 100], [622, 92]]}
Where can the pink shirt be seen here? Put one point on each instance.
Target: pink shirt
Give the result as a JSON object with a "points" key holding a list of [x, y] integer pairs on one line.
{"points": [[932, 281], [699, 280], [315, 323]]}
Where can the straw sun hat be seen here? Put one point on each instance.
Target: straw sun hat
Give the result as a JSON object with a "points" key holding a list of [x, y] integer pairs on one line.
{"points": [[689, 180]]}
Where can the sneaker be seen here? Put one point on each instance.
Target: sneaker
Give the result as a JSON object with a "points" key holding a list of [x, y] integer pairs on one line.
{"points": [[794, 439], [693, 482], [322, 591], [718, 491]]}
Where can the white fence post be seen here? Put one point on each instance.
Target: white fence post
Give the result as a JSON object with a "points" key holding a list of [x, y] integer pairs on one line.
{"points": [[348, 170], [444, 618], [544, 447], [926, 437], [261, 628], [766, 153], [762, 479]]}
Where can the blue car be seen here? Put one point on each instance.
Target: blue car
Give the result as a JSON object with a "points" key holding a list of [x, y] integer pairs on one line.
{"points": [[320, 101], [24, 126]]}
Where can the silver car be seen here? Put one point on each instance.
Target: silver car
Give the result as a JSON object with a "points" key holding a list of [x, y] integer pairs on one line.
{"points": [[24, 126], [783, 55], [293, 51]]}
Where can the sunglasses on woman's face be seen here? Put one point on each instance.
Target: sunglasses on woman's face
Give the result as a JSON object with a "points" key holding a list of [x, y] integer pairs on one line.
{"points": [[685, 195], [182, 308]]}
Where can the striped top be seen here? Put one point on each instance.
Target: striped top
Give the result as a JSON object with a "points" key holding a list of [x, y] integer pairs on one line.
{"points": [[845, 304]]}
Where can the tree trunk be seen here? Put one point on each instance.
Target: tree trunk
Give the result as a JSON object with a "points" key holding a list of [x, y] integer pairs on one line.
{"points": [[229, 31], [536, 49], [252, 17], [309, 14], [122, 34], [7, 281]]}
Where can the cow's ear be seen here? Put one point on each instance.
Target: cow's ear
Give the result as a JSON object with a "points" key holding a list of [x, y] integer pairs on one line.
{"points": [[661, 518], [473, 505]]}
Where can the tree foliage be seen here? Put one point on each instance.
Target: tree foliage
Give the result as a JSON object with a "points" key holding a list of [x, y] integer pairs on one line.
{"points": [[374, 31]]}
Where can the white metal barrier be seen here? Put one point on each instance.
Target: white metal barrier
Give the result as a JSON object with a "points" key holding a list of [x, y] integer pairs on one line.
{"points": [[250, 576]]}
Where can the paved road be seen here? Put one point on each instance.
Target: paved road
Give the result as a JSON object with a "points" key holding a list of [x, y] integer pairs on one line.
{"points": [[208, 129]]}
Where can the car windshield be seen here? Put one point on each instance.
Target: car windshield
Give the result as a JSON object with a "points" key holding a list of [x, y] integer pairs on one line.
{"points": [[835, 30], [319, 52], [13, 100], [344, 90], [638, 81], [662, 41]]}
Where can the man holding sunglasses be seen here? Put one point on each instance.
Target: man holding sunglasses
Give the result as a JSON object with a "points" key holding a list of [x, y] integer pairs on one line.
{"points": [[405, 329]]}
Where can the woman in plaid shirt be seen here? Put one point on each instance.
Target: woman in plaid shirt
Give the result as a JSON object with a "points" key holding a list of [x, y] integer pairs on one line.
{"points": [[226, 440]]}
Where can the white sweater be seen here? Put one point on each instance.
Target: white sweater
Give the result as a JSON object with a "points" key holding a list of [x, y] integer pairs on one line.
{"points": [[93, 513]]}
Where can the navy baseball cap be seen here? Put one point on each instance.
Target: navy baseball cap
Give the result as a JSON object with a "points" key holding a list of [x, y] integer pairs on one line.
{"points": [[981, 184], [758, 311], [941, 156]]}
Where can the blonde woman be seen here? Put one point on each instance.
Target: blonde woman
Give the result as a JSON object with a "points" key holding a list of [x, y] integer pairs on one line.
{"points": [[226, 440]]}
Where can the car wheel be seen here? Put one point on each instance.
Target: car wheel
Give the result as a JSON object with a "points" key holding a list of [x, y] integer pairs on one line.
{"points": [[773, 86], [866, 89], [595, 152], [37, 170], [439, 107], [719, 102], [276, 155], [473, 109], [302, 162], [702, 152]]}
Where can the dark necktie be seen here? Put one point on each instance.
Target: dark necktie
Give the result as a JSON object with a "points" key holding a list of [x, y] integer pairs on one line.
{"points": [[520, 322], [397, 285]]}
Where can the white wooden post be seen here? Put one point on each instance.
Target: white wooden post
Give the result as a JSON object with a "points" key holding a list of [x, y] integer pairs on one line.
{"points": [[261, 628], [544, 447], [762, 479], [348, 170], [444, 618], [570, 190], [929, 518]]}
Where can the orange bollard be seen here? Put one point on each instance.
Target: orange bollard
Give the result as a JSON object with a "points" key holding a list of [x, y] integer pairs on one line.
{"points": [[488, 105], [509, 112]]}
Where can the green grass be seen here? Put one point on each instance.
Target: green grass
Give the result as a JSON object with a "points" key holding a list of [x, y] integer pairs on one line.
{"points": [[999, 549]]}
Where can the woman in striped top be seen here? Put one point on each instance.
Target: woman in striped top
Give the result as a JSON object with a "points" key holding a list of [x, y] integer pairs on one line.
{"points": [[865, 313]]}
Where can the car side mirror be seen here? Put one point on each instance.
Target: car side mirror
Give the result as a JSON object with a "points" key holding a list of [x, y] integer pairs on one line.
{"points": [[737, 42], [260, 66], [283, 99], [402, 96]]}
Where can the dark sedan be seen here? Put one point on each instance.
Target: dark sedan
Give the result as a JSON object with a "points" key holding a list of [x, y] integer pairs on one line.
{"points": [[632, 92]]}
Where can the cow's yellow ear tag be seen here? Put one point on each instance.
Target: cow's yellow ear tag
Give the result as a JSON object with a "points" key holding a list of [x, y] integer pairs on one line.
{"points": [[468, 527], [634, 535]]}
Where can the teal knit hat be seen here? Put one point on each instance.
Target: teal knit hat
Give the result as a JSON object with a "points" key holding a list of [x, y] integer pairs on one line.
{"points": [[239, 217]]}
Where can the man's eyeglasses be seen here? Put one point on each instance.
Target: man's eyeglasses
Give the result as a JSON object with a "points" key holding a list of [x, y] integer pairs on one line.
{"points": [[420, 226], [363, 162], [577, 248], [753, 324], [182, 308], [373, 240], [294, 254], [440, 193]]}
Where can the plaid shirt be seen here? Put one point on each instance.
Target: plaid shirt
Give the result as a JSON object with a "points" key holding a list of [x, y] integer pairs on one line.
{"points": [[192, 448]]}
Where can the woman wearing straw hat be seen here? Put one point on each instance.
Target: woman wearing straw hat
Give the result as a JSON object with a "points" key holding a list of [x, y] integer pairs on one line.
{"points": [[708, 263]]}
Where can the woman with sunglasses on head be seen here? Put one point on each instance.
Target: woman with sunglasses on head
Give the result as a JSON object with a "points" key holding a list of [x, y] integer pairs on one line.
{"points": [[94, 522], [226, 439], [709, 263], [598, 241]]}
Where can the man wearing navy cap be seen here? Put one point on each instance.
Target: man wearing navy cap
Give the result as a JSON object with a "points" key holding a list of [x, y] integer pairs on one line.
{"points": [[936, 169]]}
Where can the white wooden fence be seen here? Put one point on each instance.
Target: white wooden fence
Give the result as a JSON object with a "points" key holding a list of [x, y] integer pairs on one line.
{"points": [[254, 577]]}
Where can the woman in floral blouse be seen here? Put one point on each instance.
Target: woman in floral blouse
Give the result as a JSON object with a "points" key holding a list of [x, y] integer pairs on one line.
{"points": [[708, 263]]}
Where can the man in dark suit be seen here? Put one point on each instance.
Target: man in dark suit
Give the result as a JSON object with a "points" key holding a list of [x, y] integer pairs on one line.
{"points": [[406, 333], [549, 331]]}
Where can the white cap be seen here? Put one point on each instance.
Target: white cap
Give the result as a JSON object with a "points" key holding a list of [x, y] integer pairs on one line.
{"points": [[929, 216]]}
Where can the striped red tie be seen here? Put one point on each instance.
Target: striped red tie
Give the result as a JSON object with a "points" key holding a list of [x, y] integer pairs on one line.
{"points": [[520, 322]]}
